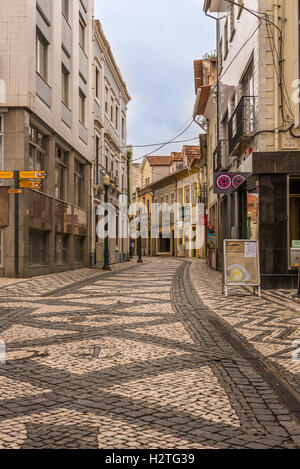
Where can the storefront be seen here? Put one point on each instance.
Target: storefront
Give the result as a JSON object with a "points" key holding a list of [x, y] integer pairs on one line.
{"points": [[270, 212]]}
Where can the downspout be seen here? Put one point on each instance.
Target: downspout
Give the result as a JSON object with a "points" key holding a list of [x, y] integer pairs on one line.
{"points": [[276, 88]]}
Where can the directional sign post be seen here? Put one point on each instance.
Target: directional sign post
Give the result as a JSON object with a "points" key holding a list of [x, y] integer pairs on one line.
{"points": [[18, 189], [33, 174], [6, 174], [15, 191], [30, 184], [17, 182]]}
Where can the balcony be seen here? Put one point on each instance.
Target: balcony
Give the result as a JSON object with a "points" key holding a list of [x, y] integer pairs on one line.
{"points": [[243, 124], [221, 156], [203, 197]]}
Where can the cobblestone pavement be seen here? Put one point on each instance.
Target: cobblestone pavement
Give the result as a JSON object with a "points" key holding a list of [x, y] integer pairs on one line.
{"points": [[270, 324], [126, 361], [46, 284]]}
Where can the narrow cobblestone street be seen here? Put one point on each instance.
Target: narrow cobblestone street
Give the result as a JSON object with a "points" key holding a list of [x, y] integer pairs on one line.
{"points": [[133, 359]]}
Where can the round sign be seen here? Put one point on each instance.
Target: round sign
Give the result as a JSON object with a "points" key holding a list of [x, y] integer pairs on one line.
{"points": [[237, 180], [223, 182]]}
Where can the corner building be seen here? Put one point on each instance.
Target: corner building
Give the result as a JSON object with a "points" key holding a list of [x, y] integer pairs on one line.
{"points": [[46, 105]]}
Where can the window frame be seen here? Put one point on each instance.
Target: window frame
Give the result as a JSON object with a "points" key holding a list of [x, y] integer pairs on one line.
{"points": [[65, 92], [43, 248], [82, 33], [97, 83], [78, 178], [82, 107], [61, 164], [41, 44], [65, 9]]}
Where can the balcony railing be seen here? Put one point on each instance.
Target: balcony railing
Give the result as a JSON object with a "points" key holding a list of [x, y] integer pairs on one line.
{"points": [[203, 198], [221, 156], [243, 123]]}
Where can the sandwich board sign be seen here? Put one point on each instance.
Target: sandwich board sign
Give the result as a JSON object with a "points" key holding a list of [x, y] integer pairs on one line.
{"points": [[241, 265]]}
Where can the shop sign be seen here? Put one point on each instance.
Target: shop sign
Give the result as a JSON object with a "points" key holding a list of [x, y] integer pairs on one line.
{"points": [[241, 265], [224, 183]]}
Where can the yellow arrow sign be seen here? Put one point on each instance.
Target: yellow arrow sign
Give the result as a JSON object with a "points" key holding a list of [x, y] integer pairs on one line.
{"points": [[30, 184], [15, 191], [6, 174], [33, 174]]}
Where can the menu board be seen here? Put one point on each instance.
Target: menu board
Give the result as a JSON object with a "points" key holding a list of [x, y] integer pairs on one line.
{"points": [[241, 263]]}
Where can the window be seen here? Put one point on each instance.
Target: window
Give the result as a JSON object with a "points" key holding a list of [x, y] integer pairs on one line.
{"points": [[61, 174], [82, 107], [97, 85], [187, 195], [65, 86], [78, 248], [294, 196], [1, 142], [117, 117], [97, 150], [78, 183], [232, 21], [106, 99], [41, 56], [61, 249], [112, 109], [65, 8], [37, 151], [226, 38], [172, 198], [37, 248], [194, 194], [123, 128], [241, 2], [1, 248], [81, 33], [180, 196]]}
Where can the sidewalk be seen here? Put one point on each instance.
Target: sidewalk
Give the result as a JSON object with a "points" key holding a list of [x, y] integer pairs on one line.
{"points": [[41, 285], [270, 324]]}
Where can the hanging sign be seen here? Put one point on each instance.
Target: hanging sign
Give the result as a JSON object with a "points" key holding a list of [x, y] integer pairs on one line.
{"points": [[15, 191], [225, 183], [30, 184], [6, 174], [241, 264], [33, 174]]}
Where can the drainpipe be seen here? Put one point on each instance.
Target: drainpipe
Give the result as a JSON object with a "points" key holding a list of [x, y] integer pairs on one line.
{"points": [[276, 87]]}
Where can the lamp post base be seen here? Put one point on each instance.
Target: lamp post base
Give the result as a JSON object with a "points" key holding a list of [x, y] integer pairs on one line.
{"points": [[140, 261], [106, 267]]}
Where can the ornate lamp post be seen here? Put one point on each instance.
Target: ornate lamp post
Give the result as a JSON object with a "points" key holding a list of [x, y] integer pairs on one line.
{"points": [[106, 184]]}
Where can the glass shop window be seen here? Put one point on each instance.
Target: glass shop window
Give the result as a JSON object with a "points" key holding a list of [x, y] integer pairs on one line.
{"points": [[294, 196]]}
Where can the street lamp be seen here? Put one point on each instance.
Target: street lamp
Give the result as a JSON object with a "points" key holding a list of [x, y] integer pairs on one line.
{"points": [[106, 184], [140, 259]]}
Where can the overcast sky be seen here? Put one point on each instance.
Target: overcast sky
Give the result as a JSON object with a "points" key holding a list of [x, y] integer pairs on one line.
{"points": [[155, 44]]}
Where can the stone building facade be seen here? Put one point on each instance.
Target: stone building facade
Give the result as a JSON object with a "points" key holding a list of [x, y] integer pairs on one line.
{"points": [[52, 118], [253, 103], [111, 99]]}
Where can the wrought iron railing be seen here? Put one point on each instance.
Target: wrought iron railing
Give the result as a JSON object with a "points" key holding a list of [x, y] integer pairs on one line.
{"points": [[221, 156], [243, 122]]}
